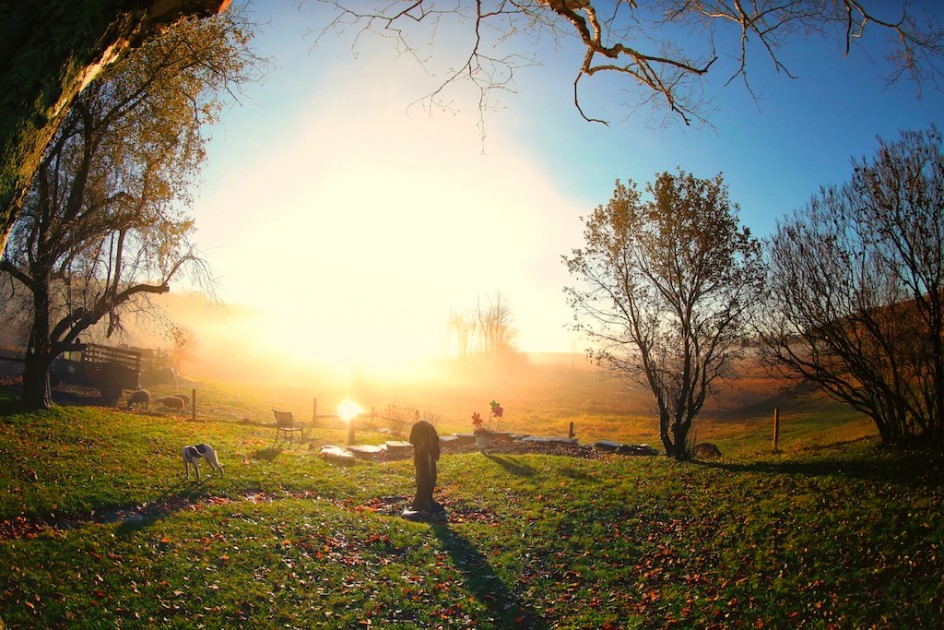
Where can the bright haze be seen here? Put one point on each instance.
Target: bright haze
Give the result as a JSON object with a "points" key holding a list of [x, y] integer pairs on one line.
{"points": [[345, 222]]}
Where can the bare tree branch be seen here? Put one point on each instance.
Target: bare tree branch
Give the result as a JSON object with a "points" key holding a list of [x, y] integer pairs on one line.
{"points": [[641, 42]]}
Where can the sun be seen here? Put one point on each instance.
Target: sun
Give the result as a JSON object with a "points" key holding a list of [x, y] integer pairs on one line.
{"points": [[349, 410]]}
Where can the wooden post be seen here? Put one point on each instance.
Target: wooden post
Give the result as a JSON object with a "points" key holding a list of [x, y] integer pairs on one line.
{"points": [[571, 434], [776, 427], [314, 410], [193, 404]]}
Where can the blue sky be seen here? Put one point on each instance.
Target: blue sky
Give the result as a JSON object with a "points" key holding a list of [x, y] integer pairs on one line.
{"points": [[332, 206]]}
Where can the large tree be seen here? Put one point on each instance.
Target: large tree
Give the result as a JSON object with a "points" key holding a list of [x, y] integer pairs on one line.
{"points": [[49, 51], [103, 224], [856, 290], [665, 286]]}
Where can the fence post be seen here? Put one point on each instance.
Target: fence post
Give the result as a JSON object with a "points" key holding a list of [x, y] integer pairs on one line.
{"points": [[571, 434], [776, 427], [314, 410], [193, 404]]}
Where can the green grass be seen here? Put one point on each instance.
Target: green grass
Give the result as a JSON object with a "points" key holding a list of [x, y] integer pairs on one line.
{"points": [[545, 400], [98, 528]]}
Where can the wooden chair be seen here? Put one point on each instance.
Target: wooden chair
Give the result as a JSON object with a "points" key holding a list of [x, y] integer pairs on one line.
{"points": [[285, 425]]}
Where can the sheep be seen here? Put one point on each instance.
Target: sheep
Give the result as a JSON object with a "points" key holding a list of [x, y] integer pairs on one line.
{"points": [[707, 450], [171, 402], [140, 396], [185, 398]]}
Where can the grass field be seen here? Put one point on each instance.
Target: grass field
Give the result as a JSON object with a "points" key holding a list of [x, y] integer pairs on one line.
{"points": [[98, 528], [543, 399]]}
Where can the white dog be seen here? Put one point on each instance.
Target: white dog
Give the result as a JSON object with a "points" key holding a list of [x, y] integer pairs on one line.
{"points": [[192, 455]]}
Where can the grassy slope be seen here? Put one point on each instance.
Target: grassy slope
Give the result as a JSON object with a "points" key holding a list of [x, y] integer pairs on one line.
{"points": [[543, 399], [99, 528]]}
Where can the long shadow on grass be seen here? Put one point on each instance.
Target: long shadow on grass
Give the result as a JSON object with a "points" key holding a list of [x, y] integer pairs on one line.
{"points": [[504, 606], [180, 496], [512, 466], [10, 400], [911, 469]]}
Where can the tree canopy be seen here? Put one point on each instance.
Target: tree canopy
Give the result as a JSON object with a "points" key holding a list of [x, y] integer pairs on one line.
{"points": [[50, 51], [104, 224]]}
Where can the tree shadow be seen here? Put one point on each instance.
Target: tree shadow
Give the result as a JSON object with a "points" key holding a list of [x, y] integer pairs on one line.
{"points": [[267, 454], [10, 403], [915, 468], [578, 474], [77, 396], [513, 466], [182, 495], [506, 608]]}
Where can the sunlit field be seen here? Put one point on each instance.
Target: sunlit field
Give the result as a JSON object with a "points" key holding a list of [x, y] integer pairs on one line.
{"points": [[542, 396], [99, 527]]}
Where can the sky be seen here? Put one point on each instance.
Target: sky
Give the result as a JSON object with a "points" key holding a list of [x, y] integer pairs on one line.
{"points": [[350, 222]]}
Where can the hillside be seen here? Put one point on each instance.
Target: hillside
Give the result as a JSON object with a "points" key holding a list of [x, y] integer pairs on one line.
{"points": [[98, 527]]}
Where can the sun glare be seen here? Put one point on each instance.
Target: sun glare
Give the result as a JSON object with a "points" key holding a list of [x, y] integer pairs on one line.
{"points": [[348, 410], [360, 257]]}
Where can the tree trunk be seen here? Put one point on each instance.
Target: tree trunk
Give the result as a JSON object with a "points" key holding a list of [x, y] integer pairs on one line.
{"points": [[37, 393], [673, 447], [674, 437], [50, 51], [664, 433], [36, 390], [680, 433]]}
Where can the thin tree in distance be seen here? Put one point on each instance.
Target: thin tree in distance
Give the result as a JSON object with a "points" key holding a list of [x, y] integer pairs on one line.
{"points": [[487, 331]]}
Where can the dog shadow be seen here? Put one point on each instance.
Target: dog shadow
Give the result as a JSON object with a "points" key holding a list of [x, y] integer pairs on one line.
{"points": [[182, 495]]}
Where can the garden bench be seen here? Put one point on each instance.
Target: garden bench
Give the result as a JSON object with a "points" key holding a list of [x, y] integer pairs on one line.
{"points": [[285, 425]]}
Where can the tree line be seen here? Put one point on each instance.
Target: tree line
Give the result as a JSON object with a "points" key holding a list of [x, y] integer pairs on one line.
{"points": [[846, 294]]}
